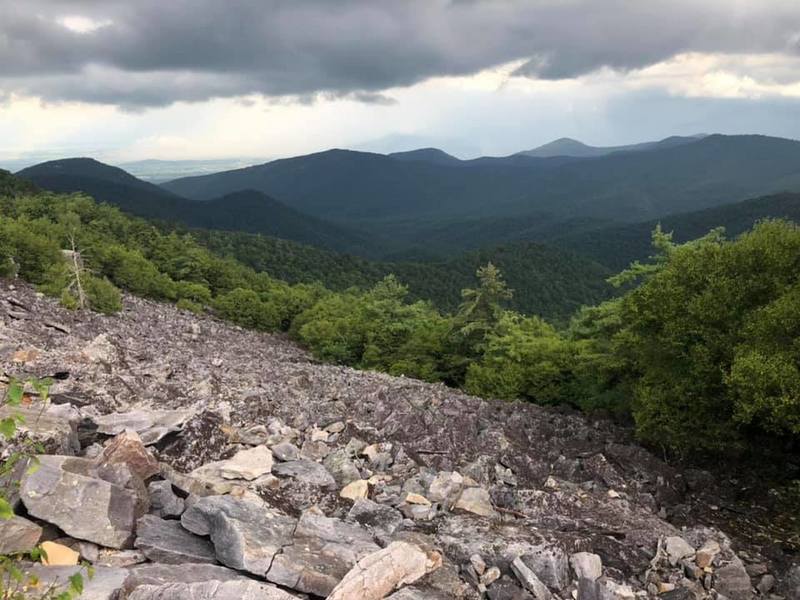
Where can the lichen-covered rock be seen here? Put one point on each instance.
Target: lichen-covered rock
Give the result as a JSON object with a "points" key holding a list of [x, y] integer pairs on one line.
{"points": [[305, 471], [379, 518], [64, 491]]}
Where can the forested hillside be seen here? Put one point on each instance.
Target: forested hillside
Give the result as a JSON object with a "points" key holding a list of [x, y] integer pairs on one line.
{"points": [[699, 351]]}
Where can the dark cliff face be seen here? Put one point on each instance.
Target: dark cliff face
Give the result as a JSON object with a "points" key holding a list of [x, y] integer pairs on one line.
{"points": [[523, 488]]}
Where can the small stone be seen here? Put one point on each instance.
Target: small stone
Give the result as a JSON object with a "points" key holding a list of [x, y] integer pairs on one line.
{"points": [[613, 494], [677, 549], [381, 519], [475, 500], [314, 450], [707, 553], [490, 576], [477, 563], [355, 490], [285, 451], [127, 448], [305, 471], [247, 464], [586, 565], [18, 534], [58, 555], [413, 498], [766, 584], [529, 580], [166, 541], [733, 581], [319, 435], [164, 502], [336, 427]]}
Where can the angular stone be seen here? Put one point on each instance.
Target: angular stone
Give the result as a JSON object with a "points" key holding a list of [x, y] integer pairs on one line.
{"points": [[355, 490], [705, 555], [733, 581], [119, 558], [246, 534], [550, 565], [314, 450], [286, 451], [164, 502], [58, 555], [248, 464], [107, 512], [445, 488], [530, 581], [381, 519], [151, 425], [413, 498], [211, 590], [104, 584], [475, 500], [205, 480], [18, 535], [127, 448], [167, 542], [57, 432], [158, 574], [586, 565], [305, 471], [342, 468], [321, 552], [378, 574], [677, 549]]}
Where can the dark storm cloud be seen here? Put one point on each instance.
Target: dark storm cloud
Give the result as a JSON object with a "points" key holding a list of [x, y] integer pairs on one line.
{"points": [[153, 53]]}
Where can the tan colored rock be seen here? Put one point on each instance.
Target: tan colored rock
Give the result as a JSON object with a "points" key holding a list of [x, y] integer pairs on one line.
{"points": [[58, 555], [412, 498], [707, 553], [377, 575], [248, 464], [476, 501], [355, 490]]}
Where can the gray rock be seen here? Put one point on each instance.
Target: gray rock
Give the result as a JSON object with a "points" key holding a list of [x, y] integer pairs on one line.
{"points": [[55, 427], [305, 471], [104, 584], [475, 500], [586, 565], [164, 502], [286, 451], [167, 542], [158, 574], [64, 492], [151, 425], [445, 488], [379, 518], [314, 450], [550, 565], [342, 468], [321, 552], [246, 534], [211, 590], [733, 581], [677, 549], [127, 449], [247, 464], [18, 534], [529, 580], [506, 588]]}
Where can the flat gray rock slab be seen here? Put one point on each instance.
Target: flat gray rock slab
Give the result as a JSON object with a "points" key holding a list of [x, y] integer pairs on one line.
{"points": [[211, 590], [64, 491], [151, 425], [18, 534], [104, 585], [306, 471], [168, 542], [246, 534]]}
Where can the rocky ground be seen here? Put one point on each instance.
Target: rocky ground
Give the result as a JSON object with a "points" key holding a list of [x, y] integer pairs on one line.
{"points": [[193, 459]]}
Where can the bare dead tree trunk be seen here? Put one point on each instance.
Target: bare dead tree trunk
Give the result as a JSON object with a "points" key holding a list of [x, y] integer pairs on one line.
{"points": [[77, 271]]}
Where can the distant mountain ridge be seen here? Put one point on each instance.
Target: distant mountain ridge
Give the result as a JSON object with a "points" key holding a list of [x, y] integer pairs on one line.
{"points": [[242, 210], [575, 148]]}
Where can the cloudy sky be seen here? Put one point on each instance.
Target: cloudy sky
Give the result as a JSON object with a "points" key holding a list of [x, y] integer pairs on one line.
{"points": [[127, 80]]}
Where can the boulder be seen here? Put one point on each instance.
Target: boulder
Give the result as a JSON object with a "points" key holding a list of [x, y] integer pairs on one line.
{"points": [[246, 534], [158, 574], [379, 518], [164, 502], [285, 451], [474, 500], [445, 488], [550, 565], [167, 542], [305, 471], [151, 425], [54, 427], [321, 552], [65, 492], [104, 584], [677, 549], [342, 468], [18, 535], [247, 464], [705, 555], [378, 574], [211, 590], [127, 449], [355, 490], [530, 581], [58, 555], [733, 582], [586, 565]]}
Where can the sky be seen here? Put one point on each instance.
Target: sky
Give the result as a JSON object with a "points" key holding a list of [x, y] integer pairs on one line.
{"points": [[124, 80]]}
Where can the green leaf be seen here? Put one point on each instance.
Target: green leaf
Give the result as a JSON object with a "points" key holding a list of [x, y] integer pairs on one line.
{"points": [[8, 427], [76, 583], [16, 391]]}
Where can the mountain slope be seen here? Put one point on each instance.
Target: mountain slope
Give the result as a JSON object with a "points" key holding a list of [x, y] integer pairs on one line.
{"points": [[618, 246], [575, 148], [379, 192], [244, 210]]}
